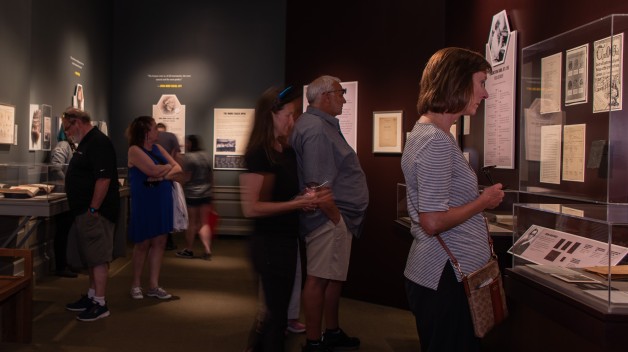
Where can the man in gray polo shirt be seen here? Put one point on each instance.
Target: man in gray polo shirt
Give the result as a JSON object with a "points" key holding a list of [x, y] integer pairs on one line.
{"points": [[169, 141], [325, 159]]}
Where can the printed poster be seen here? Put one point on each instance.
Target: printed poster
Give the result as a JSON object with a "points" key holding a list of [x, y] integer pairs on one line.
{"points": [[171, 113], [576, 80], [232, 129], [608, 56]]}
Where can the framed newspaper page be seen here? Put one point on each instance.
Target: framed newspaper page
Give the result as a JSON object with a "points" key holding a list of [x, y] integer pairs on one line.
{"points": [[387, 133]]}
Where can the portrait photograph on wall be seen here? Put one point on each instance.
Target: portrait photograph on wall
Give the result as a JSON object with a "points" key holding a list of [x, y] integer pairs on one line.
{"points": [[171, 113]]}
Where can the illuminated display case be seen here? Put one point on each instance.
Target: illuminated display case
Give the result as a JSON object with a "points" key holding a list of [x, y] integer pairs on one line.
{"points": [[573, 121], [578, 236], [39, 189], [32, 181], [572, 152]]}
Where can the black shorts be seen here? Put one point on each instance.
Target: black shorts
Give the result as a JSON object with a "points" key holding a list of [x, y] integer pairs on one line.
{"points": [[197, 202]]}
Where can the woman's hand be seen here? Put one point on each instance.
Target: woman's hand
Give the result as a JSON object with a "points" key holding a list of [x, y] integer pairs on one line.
{"points": [[306, 202], [311, 200], [492, 196]]}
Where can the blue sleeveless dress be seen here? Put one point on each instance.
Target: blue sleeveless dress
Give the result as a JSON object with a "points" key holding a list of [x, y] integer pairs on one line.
{"points": [[151, 204]]}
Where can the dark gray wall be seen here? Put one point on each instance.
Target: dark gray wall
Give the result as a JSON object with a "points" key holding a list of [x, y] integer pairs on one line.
{"points": [[37, 39], [232, 50], [15, 42]]}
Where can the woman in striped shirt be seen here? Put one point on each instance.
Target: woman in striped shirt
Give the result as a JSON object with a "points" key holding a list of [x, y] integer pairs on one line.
{"points": [[443, 199]]}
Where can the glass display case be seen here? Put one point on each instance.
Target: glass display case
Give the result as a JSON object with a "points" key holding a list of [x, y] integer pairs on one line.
{"points": [[573, 122], [402, 205], [32, 181], [579, 250], [123, 176], [39, 189]]}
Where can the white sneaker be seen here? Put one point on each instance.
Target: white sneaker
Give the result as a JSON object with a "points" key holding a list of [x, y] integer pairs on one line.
{"points": [[136, 293], [158, 292]]}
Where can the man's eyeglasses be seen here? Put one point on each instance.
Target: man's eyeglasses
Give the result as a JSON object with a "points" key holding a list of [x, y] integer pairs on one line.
{"points": [[343, 90], [71, 123]]}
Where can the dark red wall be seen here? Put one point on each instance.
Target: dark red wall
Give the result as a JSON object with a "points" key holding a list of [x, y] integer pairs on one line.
{"points": [[384, 46]]}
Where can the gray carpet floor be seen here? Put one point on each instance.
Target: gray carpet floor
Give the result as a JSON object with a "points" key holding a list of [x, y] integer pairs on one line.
{"points": [[212, 309]]}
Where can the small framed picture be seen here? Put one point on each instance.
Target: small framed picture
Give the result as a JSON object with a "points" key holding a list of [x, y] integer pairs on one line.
{"points": [[7, 123], [387, 132]]}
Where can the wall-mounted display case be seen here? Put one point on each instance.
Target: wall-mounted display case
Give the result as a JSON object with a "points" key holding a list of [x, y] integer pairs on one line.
{"points": [[573, 120]]}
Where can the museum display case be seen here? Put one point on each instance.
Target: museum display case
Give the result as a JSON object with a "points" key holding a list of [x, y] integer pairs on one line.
{"points": [[571, 148], [564, 284], [31, 181], [402, 205], [575, 249], [567, 281], [28, 189], [572, 119]]}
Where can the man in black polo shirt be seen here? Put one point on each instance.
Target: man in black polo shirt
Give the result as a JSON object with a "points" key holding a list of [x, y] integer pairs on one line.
{"points": [[91, 184]]}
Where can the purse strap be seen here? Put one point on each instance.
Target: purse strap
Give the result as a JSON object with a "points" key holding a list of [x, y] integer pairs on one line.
{"points": [[453, 258]]}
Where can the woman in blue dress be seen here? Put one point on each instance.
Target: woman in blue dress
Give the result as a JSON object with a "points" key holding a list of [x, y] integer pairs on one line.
{"points": [[151, 171]]}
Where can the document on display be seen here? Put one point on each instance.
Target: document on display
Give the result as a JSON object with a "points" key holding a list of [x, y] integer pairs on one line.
{"points": [[550, 83], [607, 73], [551, 140], [545, 246]]}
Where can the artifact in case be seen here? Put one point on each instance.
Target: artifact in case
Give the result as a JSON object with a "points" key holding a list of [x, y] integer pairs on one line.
{"points": [[578, 250]]}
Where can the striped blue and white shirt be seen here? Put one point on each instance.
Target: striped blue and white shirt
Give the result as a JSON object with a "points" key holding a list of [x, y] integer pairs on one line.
{"points": [[439, 177]]}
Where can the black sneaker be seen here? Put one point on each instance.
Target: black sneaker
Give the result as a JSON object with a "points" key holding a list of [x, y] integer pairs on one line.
{"points": [[339, 341], [319, 347], [186, 253], [82, 304], [95, 312]]}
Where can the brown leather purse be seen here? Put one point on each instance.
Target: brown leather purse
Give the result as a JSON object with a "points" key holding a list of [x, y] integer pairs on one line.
{"points": [[485, 291]]}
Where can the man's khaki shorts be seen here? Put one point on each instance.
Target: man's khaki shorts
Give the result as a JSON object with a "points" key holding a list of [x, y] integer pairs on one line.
{"points": [[328, 251], [90, 241]]}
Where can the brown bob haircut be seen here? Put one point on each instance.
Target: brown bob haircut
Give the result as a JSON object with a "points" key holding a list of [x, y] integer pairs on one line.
{"points": [[447, 81]]}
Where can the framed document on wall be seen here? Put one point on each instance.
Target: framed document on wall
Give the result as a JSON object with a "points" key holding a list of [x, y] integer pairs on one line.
{"points": [[7, 121], [232, 129], [387, 133]]}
